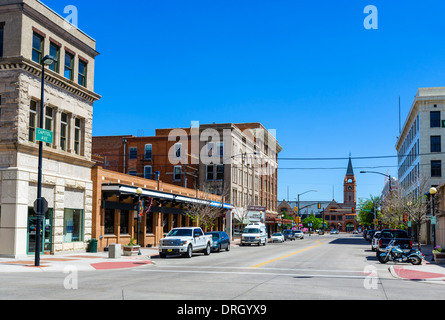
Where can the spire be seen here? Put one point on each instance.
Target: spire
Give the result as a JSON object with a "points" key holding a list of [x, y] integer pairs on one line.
{"points": [[350, 171]]}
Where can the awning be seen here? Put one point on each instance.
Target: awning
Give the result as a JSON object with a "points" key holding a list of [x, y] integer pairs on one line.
{"points": [[131, 190]]}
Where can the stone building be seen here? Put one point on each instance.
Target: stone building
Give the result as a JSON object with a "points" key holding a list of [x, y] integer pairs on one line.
{"points": [[28, 31]]}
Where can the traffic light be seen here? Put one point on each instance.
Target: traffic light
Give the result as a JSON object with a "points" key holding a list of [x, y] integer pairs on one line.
{"points": [[319, 206]]}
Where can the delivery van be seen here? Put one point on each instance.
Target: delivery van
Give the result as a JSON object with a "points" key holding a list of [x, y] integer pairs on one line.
{"points": [[254, 233]]}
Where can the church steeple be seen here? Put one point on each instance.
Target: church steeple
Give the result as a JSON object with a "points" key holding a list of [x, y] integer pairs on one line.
{"points": [[349, 189]]}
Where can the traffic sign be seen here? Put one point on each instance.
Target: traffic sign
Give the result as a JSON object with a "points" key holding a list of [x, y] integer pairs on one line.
{"points": [[44, 135], [44, 206]]}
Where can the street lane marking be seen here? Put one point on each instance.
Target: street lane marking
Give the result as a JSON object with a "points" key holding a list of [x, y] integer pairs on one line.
{"points": [[286, 256], [296, 275]]}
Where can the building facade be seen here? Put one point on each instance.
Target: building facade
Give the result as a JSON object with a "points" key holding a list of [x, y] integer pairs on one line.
{"points": [[117, 218], [29, 31], [419, 145], [238, 162]]}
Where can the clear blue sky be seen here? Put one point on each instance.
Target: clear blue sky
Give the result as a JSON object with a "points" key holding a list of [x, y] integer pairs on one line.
{"points": [[308, 69]]}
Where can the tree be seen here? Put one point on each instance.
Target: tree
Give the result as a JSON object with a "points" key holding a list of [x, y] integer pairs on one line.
{"points": [[317, 223], [204, 212], [367, 209]]}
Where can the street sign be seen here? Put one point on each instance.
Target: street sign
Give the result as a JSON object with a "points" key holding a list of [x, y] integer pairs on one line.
{"points": [[433, 220], [44, 135], [44, 206]]}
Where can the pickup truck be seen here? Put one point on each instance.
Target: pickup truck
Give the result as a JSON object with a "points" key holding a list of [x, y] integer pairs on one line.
{"points": [[401, 237], [185, 241]]}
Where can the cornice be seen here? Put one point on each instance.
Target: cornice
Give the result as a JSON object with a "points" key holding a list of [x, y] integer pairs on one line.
{"points": [[21, 63]]}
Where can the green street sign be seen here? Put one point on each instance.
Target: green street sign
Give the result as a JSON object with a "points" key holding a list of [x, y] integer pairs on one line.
{"points": [[44, 135]]}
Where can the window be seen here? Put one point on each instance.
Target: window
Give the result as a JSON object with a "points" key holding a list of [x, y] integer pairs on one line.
{"points": [[219, 172], [77, 135], [133, 153], [147, 172], [435, 119], [109, 221], [132, 173], [210, 149], [220, 149], [435, 144], [82, 76], [49, 120], [148, 152], [37, 48], [32, 121], [149, 223], [178, 150], [69, 65], [72, 225], [63, 130], [2, 26], [209, 172], [177, 173], [54, 51], [124, 222], [436, 168]]}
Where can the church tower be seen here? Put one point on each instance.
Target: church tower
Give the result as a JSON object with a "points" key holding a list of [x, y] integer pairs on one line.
{"points": [[350, 187]]}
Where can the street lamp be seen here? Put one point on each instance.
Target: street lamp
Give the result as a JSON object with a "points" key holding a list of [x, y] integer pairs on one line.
{"points": [[298, 200], [386, 175], [433, 192], [46, 61], [139, 192]]}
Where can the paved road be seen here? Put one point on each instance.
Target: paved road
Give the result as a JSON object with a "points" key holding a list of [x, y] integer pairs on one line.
{"points": [[317, 267]]}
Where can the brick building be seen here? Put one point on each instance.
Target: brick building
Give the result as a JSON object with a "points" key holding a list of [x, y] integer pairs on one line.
{"points": [[115, 198], [240, 159]]}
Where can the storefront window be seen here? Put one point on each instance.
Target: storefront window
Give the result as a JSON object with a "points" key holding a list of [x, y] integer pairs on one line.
{"points": [[73, 225], [149, 223], [125, 218], [109, 221]]}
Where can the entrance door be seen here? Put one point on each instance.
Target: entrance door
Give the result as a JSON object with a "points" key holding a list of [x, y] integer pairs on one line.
{"points": [[46, 232]]}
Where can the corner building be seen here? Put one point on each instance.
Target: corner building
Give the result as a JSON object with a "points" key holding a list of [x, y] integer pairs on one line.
{"points": [[28, 31]]}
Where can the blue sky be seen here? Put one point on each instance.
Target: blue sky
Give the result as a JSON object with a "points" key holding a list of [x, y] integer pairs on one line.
{"points": [[308, 69]]}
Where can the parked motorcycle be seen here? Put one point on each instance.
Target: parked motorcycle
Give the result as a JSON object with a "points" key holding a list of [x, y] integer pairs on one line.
{"points": [[393, 252]]}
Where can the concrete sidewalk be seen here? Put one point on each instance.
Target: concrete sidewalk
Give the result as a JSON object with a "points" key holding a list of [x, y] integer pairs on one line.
{"points": [[428, 271], [82, 261]]}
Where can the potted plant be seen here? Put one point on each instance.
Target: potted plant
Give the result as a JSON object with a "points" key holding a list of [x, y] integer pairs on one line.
{"points": [[132, 248], [439, 255]]}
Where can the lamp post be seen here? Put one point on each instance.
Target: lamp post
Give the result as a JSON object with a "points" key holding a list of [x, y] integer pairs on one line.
{"points": [[298, 200], [46, 61], [383, 174], [433, 192], [139, 192]]}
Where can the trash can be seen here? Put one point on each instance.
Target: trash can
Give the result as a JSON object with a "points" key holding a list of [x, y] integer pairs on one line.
{"points": [[92, 247]]}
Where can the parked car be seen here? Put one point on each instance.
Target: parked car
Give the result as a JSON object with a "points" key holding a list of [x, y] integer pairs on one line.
{"points": [[288, 235], [400, 236], [334, 231], [369, 235], [185, 241], [220, 240], [299, 234], [277, 237], [375, 240]]}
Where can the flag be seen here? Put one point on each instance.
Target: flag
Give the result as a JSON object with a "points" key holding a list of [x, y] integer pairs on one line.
{"points": [[150, 203]]}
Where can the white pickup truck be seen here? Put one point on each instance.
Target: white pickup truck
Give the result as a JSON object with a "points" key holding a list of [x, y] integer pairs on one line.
{"points": [[185, 241]]}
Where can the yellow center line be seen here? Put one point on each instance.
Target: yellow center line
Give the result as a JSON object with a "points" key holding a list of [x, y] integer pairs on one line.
{"points": [[286, 256]]}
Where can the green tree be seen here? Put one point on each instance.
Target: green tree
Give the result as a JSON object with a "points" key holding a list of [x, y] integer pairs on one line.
{"points": [[367, 208], [317, 223]]}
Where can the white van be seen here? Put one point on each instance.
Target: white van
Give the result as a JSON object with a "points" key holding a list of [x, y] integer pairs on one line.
{"points": [[254, 233]]}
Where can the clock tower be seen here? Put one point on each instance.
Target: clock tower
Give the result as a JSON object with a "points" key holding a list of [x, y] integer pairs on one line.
{"points": [[350, 186]]}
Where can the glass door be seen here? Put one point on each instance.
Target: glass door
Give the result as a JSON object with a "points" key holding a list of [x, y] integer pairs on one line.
{"points": [[46, 232]]}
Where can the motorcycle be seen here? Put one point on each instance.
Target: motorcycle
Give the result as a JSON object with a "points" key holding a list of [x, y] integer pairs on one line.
{"points": [[393, 252]]}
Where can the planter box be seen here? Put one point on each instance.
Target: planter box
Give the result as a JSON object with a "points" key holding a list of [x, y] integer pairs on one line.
{"points": [[131, 250], [439, 258]]}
